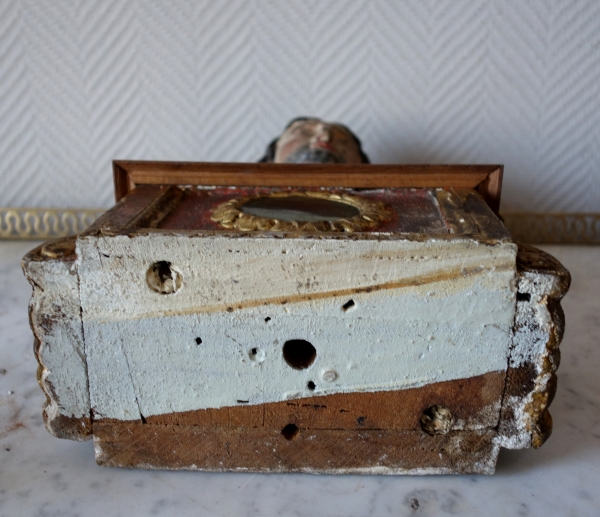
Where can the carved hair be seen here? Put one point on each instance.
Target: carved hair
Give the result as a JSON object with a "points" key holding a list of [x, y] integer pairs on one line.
{"points": [[271, 148]]}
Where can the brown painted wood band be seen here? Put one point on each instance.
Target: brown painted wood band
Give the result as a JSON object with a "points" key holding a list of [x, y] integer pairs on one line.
{"points": [[338, 451]]}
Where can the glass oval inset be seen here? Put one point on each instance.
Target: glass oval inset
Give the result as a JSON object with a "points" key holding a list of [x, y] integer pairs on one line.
{"points": [[299, 208]]}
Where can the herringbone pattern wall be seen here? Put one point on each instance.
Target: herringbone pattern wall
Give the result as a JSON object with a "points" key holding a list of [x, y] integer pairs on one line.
{"points": [[513, 82]]}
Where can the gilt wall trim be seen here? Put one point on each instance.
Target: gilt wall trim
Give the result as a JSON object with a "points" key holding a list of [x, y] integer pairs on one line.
{"points": [[44, 223], [530, 227]]}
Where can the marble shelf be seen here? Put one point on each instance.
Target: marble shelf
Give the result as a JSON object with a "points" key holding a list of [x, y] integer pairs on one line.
{"points": [[43, 476]]}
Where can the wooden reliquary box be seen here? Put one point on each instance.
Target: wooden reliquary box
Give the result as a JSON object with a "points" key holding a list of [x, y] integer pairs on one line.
{"points": [[298, 318]]}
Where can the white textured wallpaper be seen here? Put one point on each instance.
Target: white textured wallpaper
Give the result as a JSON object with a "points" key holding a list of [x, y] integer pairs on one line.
{"points": [[84, 82]]}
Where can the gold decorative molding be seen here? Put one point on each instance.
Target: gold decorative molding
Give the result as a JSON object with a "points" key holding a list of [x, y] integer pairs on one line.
{"points": [[554, 228], [527, 227], [370, 214], [44, 223]]}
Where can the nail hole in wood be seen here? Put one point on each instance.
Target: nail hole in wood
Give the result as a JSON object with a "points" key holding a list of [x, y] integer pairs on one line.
{"points": [[290, 431], [198, 341], [349, 305], [523, 297], [267, 319], [311, 386], [299, 354], [256, 355]]}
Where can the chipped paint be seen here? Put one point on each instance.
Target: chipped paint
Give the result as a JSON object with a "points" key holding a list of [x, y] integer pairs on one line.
{"points": [[55, 318], [538, 329]]}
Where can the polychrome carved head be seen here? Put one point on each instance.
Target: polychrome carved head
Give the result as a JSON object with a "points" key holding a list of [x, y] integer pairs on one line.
{"points": [[311, 140]]}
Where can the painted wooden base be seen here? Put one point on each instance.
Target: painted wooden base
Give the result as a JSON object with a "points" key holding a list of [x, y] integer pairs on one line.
{"points": [[369, 433], [317, 451], [420, 348]]}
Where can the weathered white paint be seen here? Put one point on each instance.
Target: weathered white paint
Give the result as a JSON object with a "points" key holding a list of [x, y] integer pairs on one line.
{"points": [[56, 322], [453, 323], [533, 329], [533, 321], [222, 271]]}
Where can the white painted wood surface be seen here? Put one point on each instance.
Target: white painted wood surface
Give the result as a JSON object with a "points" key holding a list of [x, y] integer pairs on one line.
{"points": [[56, 323], [438, 310]]}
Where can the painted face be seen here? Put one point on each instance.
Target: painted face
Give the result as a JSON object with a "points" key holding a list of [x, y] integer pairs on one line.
{"points": [[315, 141]]}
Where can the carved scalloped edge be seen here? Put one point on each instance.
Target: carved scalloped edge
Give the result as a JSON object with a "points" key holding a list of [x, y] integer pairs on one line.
{"points": [[534, 358], [54, 320]]}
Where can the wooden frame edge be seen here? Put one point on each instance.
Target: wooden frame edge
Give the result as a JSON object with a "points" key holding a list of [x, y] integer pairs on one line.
{"points": [[491, 189], [121, 180], [486, 179]]}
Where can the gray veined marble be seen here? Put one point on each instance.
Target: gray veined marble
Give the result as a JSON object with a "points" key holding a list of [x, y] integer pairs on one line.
{"points": [[43, 476]]}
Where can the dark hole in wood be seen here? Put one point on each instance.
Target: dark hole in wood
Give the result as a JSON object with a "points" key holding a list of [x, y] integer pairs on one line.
{"points": [[267, 319], [163, 269], [523, 297], [348, 305], [361, 420], [299, 354], [198, 341], [162, 278], [311, 386], [290, 431], [436, 420], [299, 208], [254, 351], [242, 401]]}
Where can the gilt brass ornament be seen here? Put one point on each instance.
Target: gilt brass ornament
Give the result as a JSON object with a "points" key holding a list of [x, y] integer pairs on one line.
{"points": [[307, 211]]}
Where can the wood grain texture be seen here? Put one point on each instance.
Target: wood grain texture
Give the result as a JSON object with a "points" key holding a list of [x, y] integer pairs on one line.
{"points": [[127, 209], [487, 179], [491, 188], [120, 181], [327, 451], [165, 202]]}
